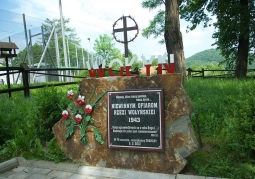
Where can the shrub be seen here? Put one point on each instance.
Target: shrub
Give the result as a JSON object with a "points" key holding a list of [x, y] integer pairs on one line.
{"points": [[17, 125], [46, 101]]}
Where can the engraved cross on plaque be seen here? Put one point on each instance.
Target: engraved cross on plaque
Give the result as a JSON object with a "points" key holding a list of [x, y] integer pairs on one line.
{"points": [[125, 29]]}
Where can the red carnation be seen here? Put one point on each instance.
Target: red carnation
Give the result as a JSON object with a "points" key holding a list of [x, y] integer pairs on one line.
{"points": [[78, 118], [70, 94], [88, 109], [80, 100], [65, 114]]}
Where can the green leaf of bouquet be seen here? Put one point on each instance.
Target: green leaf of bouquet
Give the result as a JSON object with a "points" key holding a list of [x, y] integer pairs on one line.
{"points": [[67, 122], [98, 98], [74, 111], [73, 121], [88, 118], [98, 135], [81, 112], [70, 106], [70, 131], [92, 120], [84, 140]]}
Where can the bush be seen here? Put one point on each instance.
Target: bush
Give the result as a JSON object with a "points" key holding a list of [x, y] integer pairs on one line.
{"points": [[26, 119], [17, 125], [17, 118], [46, 101]]}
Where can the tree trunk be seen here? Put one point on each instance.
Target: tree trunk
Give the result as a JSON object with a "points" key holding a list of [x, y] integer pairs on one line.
{"points": [[173, 37], [243, 46]]}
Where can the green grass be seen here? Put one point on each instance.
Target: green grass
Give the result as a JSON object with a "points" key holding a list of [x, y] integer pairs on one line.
{"points": [[213, 98], [226, 110]]}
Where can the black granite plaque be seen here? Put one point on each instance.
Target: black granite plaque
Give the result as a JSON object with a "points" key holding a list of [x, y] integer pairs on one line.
{"points": [[135, 119]]}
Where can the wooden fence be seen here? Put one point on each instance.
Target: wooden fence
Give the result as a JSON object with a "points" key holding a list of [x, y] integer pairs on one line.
{"points": [[26, 72], [25, 75], [216, 73]]}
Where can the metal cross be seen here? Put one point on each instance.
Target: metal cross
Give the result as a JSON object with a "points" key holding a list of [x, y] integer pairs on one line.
{"points": [[125, 29]]}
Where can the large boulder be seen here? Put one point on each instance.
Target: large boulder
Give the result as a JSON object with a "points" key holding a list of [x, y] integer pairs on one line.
{"points": [[179, 136]]}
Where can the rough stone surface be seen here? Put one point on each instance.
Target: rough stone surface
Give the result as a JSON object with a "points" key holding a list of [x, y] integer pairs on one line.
{"points": [[180, 140]]}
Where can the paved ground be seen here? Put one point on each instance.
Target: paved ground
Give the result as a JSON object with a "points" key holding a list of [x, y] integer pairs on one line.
{"points": [[18, 168]]}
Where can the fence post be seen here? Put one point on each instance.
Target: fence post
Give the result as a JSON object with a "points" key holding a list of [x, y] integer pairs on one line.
{"points": [[189, 72], [25, 77], [203, 73], [8, 77]]}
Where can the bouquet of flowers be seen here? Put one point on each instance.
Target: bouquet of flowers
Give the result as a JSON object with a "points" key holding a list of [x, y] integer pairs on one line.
{"points": [[78, 115]]}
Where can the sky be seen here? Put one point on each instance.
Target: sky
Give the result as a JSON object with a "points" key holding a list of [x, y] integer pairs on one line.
{"points": [[91, 18]]}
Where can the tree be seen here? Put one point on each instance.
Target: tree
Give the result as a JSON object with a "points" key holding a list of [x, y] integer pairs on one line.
{"points": [[166, 22], [50, 56], [69, 32], [36, 50], [235, 28], [105, 49], [71, 36]]}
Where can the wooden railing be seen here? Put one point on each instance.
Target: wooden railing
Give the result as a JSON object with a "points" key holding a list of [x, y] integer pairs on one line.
{"points": [[216, 73], [25, 72]]}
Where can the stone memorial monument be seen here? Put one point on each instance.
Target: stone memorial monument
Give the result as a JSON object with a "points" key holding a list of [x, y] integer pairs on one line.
{"points": [[129, 122], [134, 122]]}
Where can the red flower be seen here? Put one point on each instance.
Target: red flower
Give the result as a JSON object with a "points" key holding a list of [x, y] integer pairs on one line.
{"points": [[65, 114], [78, 118], [88, 109], [80, 100], [70, 94]]}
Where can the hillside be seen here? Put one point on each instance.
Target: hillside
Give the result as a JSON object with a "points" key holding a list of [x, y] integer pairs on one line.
{"points": [[210, 56]]}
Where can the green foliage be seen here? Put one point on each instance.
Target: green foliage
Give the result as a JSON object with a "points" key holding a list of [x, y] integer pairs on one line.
{"points": [[209, 162], [105, 49], [51, 153], [234, 33], [209, 57], [240, 128], [235, 28], [46, 101], [70, 32], [50, 55], [203, 58], [156, 27], [20, 134], [18, 127], [84, 73], [37, 49], [226, 115], [24, 120]]}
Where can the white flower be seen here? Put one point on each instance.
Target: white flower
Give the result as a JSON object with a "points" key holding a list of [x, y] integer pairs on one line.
{"points": [[78, 116], [70, 91], [81, 97], [88, 106], [65, 112]]}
